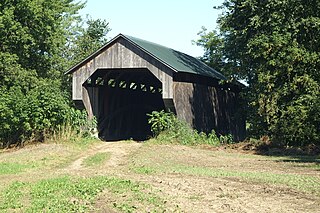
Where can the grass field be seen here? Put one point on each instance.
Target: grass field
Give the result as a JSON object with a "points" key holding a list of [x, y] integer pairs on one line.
{"points": [[93, 176]]}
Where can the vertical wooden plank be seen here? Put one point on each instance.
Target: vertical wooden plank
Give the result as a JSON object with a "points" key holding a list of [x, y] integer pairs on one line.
{"points": [[94, 97], [104, 59], [167, 87], [182, 94], [75, 95], [115, 56], [86, 102], [120, 55]]}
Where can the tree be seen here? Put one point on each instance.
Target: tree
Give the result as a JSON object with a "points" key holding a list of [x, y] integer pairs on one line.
{"points": [[214, 54], [274, 45], [37, 39], [36, 32], [88, 39]]}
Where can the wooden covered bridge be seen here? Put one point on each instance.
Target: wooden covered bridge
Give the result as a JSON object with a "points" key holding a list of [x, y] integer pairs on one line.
{"points": [[129, 77]]}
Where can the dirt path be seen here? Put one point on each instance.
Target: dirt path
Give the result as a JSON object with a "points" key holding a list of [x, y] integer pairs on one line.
{"points": [[119, 152]]}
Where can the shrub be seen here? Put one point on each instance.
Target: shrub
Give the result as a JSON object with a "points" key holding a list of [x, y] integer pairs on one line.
{"points": [[34, 114], [161, 121], [167, 128]]}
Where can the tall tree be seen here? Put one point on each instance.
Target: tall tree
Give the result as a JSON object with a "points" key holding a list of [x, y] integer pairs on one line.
{"points": [[88, 39], [37, 38], [274, 45], [36, 32]]}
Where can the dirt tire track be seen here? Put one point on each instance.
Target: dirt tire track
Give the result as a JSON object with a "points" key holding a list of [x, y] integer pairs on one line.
{"points": [[118, 150]]}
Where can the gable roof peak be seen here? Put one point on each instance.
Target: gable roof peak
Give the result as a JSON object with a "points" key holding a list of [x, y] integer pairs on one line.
{"points": [[177, 61]]}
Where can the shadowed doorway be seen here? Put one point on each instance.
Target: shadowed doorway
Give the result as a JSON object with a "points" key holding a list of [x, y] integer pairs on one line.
{"points": [[125, 98]]}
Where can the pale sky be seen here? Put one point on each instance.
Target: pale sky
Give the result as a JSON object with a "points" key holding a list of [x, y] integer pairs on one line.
{"points": [[172, 23]]}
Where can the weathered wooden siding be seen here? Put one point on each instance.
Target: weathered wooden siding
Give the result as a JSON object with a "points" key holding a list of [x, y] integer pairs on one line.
{"points": [[206, 108], [91, 100], [122, 54]]}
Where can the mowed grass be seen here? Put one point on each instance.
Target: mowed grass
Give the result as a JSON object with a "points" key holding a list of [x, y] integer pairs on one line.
{"points": [[13, 168], [303, 183], [75, 194], [97, 159], [42, 156]]}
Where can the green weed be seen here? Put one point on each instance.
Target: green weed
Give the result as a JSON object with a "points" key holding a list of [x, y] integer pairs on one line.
{"points": [[143, 170], [12, 196], [167, 128]]}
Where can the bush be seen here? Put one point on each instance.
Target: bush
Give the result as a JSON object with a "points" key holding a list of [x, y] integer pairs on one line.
{"points": [[35, 114], [167, 128], [161, 121]]}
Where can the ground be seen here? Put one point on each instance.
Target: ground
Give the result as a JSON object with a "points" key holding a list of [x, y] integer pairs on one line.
{"points": [[144, 177]]}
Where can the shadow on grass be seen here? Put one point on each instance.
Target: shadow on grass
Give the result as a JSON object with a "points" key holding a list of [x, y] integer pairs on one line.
{"points": [[301, 155], [308, 156], [302, 159], [312, 162]]}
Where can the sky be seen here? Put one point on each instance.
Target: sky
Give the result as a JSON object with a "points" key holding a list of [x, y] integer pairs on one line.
{"points": [[171, 23]]}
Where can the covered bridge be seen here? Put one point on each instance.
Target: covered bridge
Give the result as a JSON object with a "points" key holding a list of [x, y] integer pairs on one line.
{"points": [[129, 77]]}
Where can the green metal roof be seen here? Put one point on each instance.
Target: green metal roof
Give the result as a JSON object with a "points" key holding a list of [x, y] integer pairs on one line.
{"points": [[178, 61]]}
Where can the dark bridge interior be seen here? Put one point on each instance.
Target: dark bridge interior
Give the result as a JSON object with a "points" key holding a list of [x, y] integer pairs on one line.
{"points": [[125, 98]]}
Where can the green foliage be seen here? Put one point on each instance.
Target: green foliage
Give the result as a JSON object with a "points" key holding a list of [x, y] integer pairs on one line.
{"points": [[214, 54], [274, 46], [12, 74], [88, 127], [39, 40], [88, 39], [161, 121], [169, 129], [33, 115], [36, 32], [226, 139]]}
